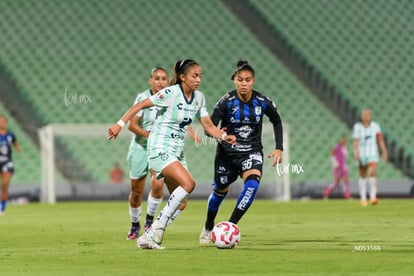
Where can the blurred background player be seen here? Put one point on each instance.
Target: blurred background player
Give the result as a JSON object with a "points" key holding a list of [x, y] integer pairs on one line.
{"points": [[241, 113], [7, 140], [367, 136], [181, 103], [340, 169], [141, 125], [116, 175]]}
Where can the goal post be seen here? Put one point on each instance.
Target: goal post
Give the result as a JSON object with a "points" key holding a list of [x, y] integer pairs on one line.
{"points": [[76, 159]]}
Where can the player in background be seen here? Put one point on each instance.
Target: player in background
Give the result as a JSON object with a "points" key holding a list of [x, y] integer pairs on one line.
{"points": [[180, 104], [7, 140], [367, 136], [116, 175], [340, 169], [141, 126], [241, 113]]}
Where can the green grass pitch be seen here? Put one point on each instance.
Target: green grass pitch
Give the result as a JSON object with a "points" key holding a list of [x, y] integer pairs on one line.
{"points": [[314, 237]]}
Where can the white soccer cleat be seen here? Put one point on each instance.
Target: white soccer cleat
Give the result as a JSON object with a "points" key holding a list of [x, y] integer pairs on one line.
{"points": [[145, 242], [205, 236], [157, 230]]}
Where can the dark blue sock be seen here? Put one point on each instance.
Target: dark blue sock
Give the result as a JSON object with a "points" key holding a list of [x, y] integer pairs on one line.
{"points": [[246, 198], [213, 204], [3, 205]]}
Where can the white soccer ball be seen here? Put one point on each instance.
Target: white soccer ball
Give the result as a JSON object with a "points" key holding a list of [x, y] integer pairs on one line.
{"points": [[225, 235]]}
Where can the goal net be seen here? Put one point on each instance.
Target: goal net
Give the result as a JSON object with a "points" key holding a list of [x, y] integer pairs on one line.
{"points": [[76, 161]]}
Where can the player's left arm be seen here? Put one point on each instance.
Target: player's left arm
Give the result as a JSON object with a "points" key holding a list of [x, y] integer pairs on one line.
{"points": [[381, 142], [212, 130], [16, 145], [274, 117], [193, 135], [218, 112], [135, 128]]}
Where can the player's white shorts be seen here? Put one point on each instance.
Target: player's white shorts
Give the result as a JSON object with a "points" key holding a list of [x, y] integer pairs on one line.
{"points": [[365, 160], [137, 161], [159, 161]]}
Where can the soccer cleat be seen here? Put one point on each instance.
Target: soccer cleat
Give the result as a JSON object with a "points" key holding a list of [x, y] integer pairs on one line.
{"points": [[145, 242], [133, 233], [157, 229], [2, 213], [147, 227], [364, 203], [374, 201], [205, 236]]}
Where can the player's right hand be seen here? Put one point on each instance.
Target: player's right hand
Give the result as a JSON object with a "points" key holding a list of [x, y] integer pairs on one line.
{"points": [[231, 139], [113, 131]]}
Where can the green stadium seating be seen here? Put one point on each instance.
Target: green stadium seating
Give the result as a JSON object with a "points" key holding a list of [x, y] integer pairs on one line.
{"points": [[105, 49], [362, 48]]}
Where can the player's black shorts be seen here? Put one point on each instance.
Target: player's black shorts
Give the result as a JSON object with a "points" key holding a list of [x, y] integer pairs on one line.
{"points": [[228, 169], [6, 166]]}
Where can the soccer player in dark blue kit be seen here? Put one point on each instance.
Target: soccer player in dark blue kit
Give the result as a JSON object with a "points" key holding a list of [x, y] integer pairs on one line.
{"points": [[241, 114], [7, 140]]}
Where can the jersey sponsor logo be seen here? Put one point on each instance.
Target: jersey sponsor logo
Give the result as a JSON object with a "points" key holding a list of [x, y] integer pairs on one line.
{"points": [[245, 131], [232, 120], [160, 94], [222, 100], [4, 150], [241, 148], [180, 106], [185, 122], [177, 136], [256, 156], [234, 109]]}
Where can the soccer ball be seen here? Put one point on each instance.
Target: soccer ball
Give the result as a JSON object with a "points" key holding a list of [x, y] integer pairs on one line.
{"points": [[225, 235]]}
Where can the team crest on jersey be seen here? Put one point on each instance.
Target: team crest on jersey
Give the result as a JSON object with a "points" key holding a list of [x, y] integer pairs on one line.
{"points": [[258, 110]]}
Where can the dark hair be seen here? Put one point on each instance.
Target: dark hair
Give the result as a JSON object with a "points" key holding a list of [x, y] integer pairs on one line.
{"points": [[181, 67], [242, 65], [153, 70]]}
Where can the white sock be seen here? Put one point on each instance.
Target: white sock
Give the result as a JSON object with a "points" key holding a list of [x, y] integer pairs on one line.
{"points": [[153, 204], [175, 200], [362, 188], [135, 213], [173, 218], [372, 187]]}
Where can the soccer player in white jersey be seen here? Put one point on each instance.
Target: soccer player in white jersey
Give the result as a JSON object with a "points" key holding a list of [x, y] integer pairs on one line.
{"points": [[180, 104], [367, 136], [141, 126]]}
